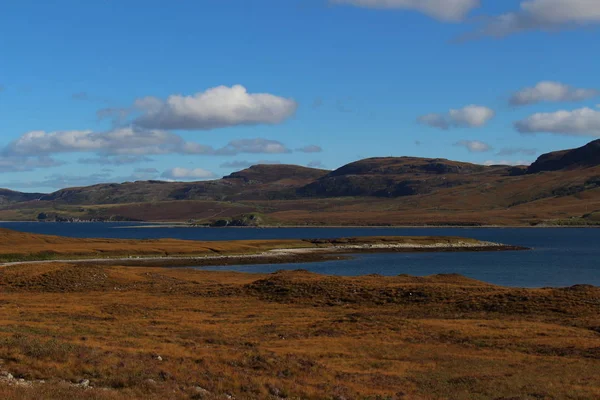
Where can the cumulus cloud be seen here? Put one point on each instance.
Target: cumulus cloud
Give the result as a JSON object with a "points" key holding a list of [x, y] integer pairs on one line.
{"points": [[444, 10], [471, 116], [114, 160], [129, 140], [218, 107], [474, 146], [179, 173], [543, 15], [580, 122], [310, 149], [552, 92], [241, 164], [129, 145]]}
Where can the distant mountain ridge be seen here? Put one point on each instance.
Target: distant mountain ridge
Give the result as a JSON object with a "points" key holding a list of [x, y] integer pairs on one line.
{"points": [[375, 191]]}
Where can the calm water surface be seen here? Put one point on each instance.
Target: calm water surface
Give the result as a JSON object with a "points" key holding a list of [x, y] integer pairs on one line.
{"points": [[560, 256]]}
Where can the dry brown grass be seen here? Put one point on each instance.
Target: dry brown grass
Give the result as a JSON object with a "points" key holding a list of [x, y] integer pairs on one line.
{"points": [[17, 246], [292, 335]]}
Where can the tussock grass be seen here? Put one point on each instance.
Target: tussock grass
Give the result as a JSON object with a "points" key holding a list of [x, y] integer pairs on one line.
{"points": [[292, 335]]}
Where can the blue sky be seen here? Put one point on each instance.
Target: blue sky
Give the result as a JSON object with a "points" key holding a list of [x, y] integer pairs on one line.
{"points": [[103, 91]]}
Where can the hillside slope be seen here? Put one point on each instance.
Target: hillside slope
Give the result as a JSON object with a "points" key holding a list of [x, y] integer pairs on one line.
{"points": [[586, 156]]}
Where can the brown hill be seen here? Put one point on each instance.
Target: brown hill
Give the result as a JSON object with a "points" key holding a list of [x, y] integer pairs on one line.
{"points": [[395, 177], [586, 156], [559, 188], [256, 182]]}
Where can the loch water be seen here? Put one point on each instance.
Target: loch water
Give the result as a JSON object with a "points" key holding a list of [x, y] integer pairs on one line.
{"points": [[558, 257]]}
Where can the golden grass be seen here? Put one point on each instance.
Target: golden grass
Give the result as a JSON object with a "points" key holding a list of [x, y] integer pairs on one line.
{"points": [[291, 335]]}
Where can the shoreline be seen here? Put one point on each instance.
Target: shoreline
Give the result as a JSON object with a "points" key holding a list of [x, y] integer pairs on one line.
{"points": [[160, 225], [281, 256]]}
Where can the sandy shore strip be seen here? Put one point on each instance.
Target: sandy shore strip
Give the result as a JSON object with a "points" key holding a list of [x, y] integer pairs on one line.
{"points": [[280, 256]]}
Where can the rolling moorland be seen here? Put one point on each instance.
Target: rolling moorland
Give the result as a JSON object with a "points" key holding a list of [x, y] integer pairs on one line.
{"points": [[560, 188], [84, 331]]}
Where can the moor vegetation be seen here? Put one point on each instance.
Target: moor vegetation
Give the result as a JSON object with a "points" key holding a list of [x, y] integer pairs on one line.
{"points": [[81, 331]]}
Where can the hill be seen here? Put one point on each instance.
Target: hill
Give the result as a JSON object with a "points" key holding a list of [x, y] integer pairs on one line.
{"points": [[253, 183], [560, 188], [394, 177], [586, 156], [10, 196]]}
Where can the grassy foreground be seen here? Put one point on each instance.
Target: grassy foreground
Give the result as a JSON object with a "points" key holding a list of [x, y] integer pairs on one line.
{"points": [[155, 333]]}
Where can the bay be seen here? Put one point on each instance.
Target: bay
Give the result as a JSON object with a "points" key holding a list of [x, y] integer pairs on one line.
{"points": [[559, 257]]}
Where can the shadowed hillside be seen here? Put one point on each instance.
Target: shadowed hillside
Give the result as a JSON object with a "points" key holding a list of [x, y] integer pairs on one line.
{"points": [[586, 156], [395, 177]]}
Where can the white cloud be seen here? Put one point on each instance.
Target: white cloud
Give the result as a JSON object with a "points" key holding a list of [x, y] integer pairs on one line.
{"points": [[445, 10], [543, 15], [179, 173], [580, 122], [474, 146], [471, 116], [129, 140], [218, 107], [551, 91], [129, 145], [310, 149]]}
